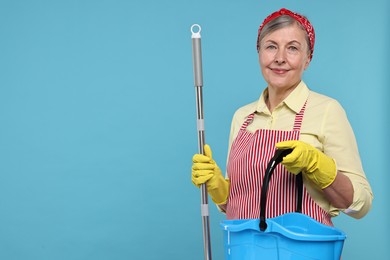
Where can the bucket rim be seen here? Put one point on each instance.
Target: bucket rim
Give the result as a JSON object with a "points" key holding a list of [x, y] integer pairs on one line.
{"points": [[274, 227]]}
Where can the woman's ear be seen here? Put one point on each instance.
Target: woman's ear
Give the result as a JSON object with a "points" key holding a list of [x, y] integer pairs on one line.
{"points": [[307, 63]]}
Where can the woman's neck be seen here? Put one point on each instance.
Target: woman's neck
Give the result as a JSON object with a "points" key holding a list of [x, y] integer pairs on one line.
{"points": [[275, 96]]}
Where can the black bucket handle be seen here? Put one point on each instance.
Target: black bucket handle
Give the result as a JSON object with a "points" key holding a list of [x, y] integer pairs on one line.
{"points": [[276, 159]]}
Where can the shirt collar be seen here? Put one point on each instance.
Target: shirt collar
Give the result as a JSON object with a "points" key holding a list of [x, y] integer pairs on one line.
{"points": [[294, 101]]}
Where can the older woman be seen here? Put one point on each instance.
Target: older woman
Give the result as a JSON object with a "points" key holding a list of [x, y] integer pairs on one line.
{"points": [[288, 115]]}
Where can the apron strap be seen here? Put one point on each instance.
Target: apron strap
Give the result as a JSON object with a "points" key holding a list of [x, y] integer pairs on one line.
{"points": [[247, 122], [299, 118]]}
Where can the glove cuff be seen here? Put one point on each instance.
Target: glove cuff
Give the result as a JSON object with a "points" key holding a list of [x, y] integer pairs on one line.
{"points": [[218, 188], [325, 171]]}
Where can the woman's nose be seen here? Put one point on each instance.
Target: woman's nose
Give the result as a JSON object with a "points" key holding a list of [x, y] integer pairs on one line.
{"points": [[280, 56]]}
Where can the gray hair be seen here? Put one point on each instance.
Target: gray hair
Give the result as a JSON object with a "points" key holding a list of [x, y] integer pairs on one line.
{"points": [[278, 23]]}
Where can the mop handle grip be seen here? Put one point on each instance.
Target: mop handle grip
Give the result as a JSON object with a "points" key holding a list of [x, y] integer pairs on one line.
{"points": [[197, 55]]}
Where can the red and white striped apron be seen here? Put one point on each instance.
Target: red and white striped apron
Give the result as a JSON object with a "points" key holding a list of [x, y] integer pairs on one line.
{"points": [[248, 159]]}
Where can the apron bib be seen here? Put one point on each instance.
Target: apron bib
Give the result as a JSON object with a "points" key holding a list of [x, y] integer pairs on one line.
{"points": [[248, 159]]}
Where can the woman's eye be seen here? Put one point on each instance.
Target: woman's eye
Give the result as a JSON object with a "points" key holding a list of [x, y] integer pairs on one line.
{"points": [[292, 48], [271, 47]]}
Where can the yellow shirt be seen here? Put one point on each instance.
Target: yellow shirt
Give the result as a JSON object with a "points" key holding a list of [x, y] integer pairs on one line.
{"points": [[326, 127]]}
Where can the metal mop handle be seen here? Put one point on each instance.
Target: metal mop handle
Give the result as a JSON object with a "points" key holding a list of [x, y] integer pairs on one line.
{"points": [[198, 78]]}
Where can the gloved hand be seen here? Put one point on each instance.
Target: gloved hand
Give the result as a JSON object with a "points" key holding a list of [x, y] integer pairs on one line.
{"points": [[318, 167], [205, 170]]}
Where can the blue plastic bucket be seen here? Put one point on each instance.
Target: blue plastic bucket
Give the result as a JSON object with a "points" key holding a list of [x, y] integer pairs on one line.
{"points": [[291, 236]]}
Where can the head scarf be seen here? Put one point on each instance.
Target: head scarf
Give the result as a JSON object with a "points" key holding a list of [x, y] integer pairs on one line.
{"points": [[301, 19]]}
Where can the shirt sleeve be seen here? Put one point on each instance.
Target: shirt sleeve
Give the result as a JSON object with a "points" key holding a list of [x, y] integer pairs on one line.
{"points": [[340, 144]]}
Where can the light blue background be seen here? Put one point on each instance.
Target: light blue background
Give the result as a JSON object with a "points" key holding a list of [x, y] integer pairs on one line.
{"points": [[97, 118]]}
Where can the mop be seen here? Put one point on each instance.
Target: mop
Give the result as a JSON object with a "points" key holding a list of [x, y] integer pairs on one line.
{"points": [[198, 79]]}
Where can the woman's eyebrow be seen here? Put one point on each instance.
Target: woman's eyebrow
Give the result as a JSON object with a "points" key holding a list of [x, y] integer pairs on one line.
{"points": [[295, 42], [290, 42], [271, 41]]}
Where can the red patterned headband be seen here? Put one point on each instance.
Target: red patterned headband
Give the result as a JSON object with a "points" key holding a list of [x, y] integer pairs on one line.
{"points": [[301, 19]]}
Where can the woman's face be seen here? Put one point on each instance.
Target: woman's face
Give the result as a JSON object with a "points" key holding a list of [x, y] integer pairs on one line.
{"points": [[283, 56]]}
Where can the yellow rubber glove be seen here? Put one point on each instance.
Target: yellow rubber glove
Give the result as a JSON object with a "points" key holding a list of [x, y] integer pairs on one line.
{"points": [[205, 170], [315, 165]]}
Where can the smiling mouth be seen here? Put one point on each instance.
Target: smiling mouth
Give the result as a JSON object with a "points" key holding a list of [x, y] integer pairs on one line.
{"points": [[279, 71]]}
